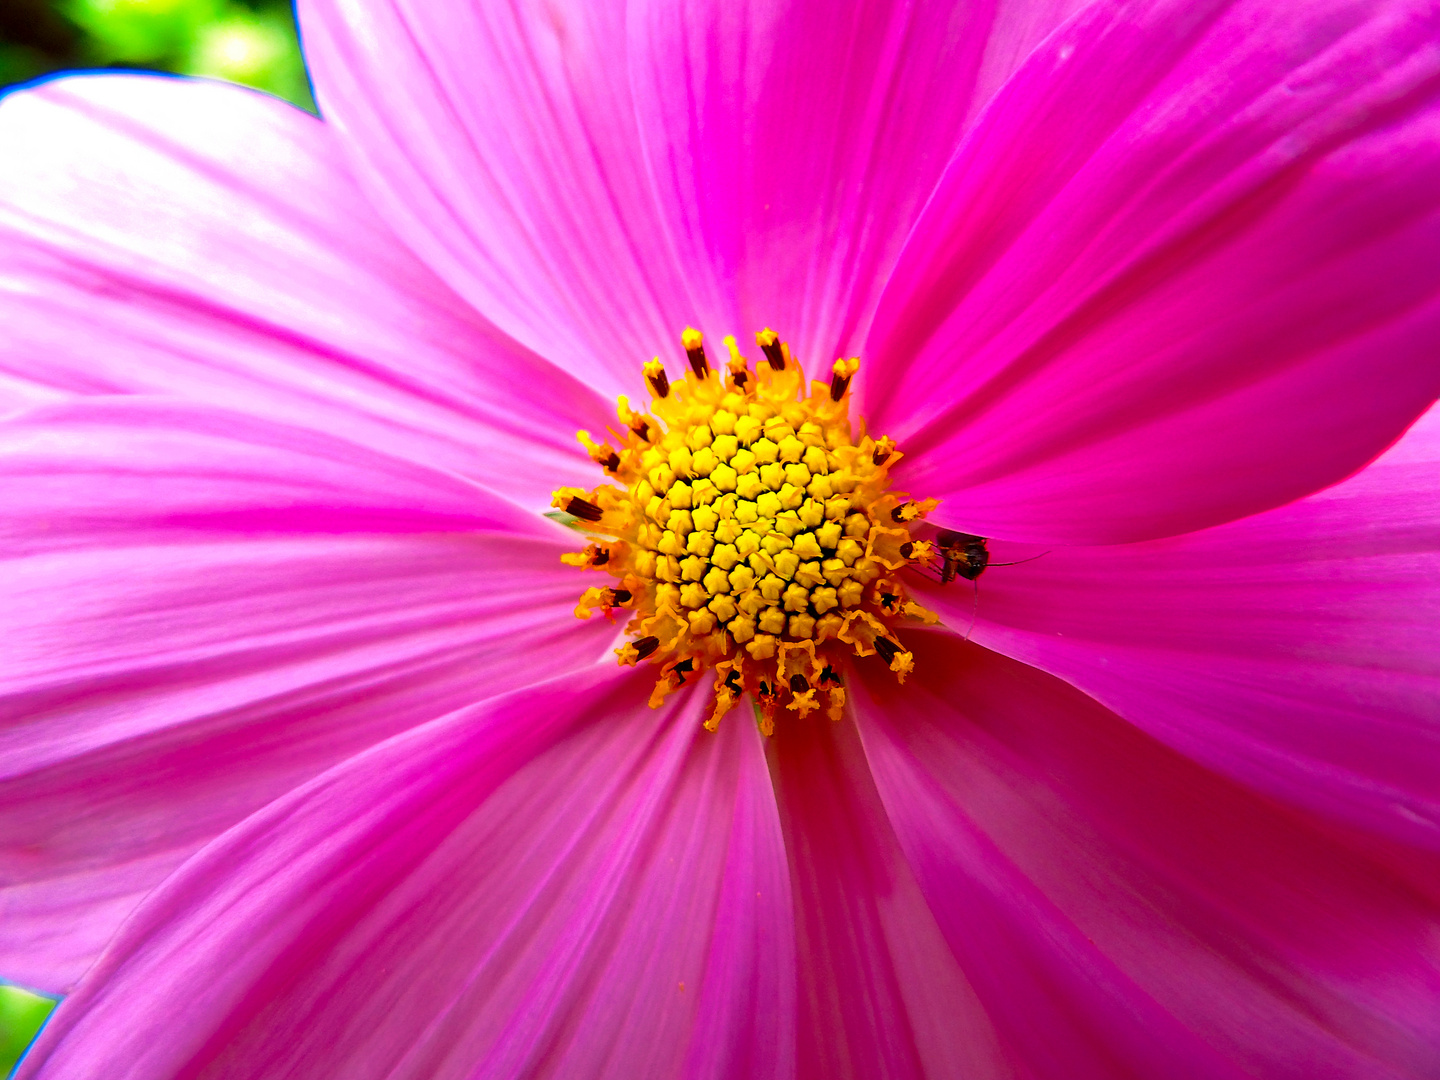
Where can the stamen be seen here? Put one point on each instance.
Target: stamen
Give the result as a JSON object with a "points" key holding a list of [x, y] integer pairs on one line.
{"points": [[656, 377], [738, 368], [584, 510], [695, 351], [769, 343], [752, 534], [605, 456], [635, 421]]}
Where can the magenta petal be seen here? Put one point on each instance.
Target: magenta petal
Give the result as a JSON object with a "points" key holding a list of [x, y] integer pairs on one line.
{"points": [[880, 994], [1182, 270], [1297, 650], [500, 141], [178, 237], [1123, 912], [201, 610], [527, 888], [794, 144]]}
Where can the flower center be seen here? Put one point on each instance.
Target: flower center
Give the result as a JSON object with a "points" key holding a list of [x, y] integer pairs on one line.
{"points": [[750, 533]]}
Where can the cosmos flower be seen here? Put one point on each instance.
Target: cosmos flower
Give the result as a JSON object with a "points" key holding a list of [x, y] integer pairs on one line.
{"points": [[309, 768]]}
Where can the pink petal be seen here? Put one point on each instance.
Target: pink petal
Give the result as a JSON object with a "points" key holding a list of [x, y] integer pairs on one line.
{"points": [[794, 144], [880, 994], [531, 887], [1123, 912], [1297, 650], [202, 610], [1183, 270], [169, 236], [500, 141]]}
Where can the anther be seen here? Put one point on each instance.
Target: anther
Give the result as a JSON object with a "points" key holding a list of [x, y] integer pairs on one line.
{"points": [[799, 684], [887, 649], [840, 376], [903, 512], [831, 676], [884, 447], [695, 352], [583, 509], [645, 646], [656, 377], [635, 421], [739, 370], [907, 549], [605, 456], [769, 343], [622, 596]]}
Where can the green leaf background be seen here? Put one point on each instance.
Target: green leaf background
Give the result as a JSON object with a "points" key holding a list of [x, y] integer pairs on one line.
{"points": [[21, 1015], [245, 41]]}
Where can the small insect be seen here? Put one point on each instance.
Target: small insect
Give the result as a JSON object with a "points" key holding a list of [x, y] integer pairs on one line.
{"points": [[962, 555]]}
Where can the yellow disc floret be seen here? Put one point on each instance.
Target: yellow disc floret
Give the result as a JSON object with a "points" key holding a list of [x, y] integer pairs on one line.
{"points": [[750, 533]]}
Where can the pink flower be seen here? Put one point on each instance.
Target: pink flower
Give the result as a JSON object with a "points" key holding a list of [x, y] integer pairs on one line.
{"points": [[310, 771]]}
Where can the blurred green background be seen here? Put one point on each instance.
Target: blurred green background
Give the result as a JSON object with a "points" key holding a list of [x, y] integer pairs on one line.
{"points": [[246, 41], [21, 1015]]}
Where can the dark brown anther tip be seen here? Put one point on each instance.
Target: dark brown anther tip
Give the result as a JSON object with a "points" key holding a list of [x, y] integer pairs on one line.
{"points": [[612, 463], [698, 363], [732, 683], [881, 456], [600, 558], [799, 684], [907, 549], [583, 509], [622, 596], [886, 648], [769, 343], [838, 385], [660, 384], [830, 675], [645, 646], [898, 514]]}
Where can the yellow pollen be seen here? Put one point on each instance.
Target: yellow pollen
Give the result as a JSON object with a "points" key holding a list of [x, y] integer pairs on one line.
{"points": [[750, 533]]}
